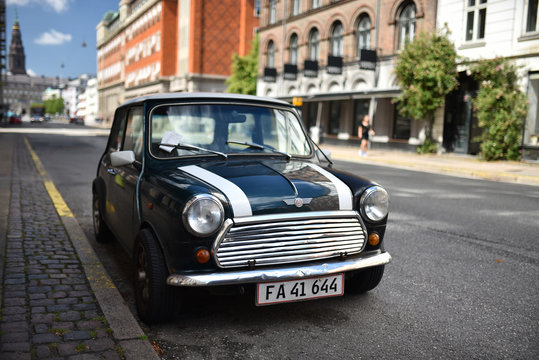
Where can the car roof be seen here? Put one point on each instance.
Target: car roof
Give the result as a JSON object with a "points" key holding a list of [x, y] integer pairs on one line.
{"points": [[183, 96]]}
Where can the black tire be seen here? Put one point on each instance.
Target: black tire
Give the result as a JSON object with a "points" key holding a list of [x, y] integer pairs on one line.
{"points": [[365, 280], [156, 301], [101, 230]]}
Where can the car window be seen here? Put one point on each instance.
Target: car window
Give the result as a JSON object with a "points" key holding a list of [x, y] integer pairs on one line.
{"points": [[221, 127], [133, 132], [117, 130]]}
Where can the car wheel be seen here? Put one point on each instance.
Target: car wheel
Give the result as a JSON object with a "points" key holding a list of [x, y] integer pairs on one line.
{"points": [[362, 281], [101, 230], [156, 301]]}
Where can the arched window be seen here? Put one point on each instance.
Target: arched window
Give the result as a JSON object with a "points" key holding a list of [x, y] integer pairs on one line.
{"points": [[363, 33], [271, 54], [313, 44], [272, 11], [336, 39], [406, 25], [293, 49]]}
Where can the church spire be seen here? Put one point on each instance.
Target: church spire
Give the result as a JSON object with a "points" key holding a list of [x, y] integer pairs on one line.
{"points": [[17, 60]]}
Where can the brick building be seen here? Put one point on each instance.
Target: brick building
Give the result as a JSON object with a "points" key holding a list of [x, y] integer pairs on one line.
{"points": [[339, 56], [153, 46]]}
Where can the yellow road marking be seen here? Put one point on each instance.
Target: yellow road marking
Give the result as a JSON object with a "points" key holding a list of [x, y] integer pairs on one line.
{"points": [[57, 199]]}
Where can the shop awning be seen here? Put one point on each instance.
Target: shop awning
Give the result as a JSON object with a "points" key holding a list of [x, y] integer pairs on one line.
{"points": [[386, 93]]}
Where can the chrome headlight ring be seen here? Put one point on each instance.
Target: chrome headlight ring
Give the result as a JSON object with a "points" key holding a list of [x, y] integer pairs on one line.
{"points": [[374, 203], [203, 215]]}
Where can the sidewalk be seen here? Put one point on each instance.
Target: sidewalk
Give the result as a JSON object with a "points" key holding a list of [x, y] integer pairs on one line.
{"points": [[54, 303], [447, 164]]}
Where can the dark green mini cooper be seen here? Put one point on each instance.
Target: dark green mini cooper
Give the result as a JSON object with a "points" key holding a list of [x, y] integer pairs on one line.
{"points": [[209, 190]]}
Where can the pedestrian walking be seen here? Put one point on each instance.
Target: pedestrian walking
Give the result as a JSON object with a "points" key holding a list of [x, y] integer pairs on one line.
{"points": [[364, 131]]}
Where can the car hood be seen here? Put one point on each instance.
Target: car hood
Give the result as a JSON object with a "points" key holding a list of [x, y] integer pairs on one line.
{"points": [[267, 187]]}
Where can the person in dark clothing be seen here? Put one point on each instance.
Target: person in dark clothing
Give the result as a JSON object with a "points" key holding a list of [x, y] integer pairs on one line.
{"points": [[364, 131]]}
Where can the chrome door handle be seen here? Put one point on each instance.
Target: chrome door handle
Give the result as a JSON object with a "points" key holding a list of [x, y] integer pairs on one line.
{"points": [[111, 171]]}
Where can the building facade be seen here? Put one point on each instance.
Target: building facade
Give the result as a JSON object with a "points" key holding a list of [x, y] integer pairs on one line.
{"points": [[485, 29], [87, 105], [21, 89], [338, 57], [154, 46]]}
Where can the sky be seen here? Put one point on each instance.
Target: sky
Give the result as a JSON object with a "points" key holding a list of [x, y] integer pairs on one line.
{"points": [[53, 32]]}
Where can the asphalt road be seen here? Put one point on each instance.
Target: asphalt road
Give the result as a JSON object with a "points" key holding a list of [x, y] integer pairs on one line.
{"points": [[463, 282]]}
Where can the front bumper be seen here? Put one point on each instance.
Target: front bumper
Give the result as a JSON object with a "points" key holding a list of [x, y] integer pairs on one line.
{"points": [[280, 273]]}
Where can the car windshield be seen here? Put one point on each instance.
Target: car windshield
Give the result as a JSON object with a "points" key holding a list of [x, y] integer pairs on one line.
{"points": [[210, 129]]}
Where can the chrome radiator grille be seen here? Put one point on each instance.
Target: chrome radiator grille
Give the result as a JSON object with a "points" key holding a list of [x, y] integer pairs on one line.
{"points": [[278, 239]]}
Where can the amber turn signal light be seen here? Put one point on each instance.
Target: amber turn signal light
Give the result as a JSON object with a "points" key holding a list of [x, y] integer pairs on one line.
{"points": [[374, 239], [202, 256]]}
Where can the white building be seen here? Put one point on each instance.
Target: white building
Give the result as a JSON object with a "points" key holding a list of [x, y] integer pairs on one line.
{"points": [[485, 29], [87, 106]]}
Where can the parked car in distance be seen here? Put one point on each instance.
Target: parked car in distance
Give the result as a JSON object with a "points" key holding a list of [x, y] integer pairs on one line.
{"points": [[206, 190], [15, 120], [76, 120], [37, 118]]}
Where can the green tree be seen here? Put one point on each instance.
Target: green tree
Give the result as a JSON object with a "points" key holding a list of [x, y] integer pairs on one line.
{"points": [[426, 71], [54, 105], [244, 71], [500, 108]]}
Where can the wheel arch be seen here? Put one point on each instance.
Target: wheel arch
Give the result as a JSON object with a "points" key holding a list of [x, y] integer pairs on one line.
{"points": [[145, 225]]}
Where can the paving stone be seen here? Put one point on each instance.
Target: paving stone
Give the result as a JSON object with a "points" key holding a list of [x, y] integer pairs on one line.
{"points": [[15, 337], [15, 302], [15, 326], [15, 309], [43, 352], [42, 302], [77, 335], [99, 344], [14, 317], [67, 348], [70, 316], [16, 346], [45, 338], [41, 328], [64, 325], [84, 307], [60, 307], [43, 318]]}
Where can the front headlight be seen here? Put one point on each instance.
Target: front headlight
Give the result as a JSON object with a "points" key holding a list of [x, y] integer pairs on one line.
{"points": [[203, 215], [374, 203]]}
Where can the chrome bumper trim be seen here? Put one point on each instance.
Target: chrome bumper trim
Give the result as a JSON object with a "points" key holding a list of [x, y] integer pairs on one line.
{"points": [[279, 273]]}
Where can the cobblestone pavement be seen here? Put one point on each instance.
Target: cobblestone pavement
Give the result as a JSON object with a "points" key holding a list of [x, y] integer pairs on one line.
{"points": [[48, 309]]}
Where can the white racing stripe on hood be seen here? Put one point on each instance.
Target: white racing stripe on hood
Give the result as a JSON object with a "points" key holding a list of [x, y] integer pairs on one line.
{"points": [[236, 197], [345, 195]]}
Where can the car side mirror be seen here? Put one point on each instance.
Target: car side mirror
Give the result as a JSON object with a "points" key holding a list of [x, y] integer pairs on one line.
{"points": [[122, 158]]}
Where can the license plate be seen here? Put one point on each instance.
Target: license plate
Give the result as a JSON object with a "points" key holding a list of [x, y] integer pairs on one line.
{"points": [[301, 289]]}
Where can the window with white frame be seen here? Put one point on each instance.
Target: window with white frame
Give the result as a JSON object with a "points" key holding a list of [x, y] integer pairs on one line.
{"points": [[363, 33], [531, 16], [313, 44], [315, 4], [336, 39], [296, 7], [406, 25], [271, 54], [257, 8], [476, 17], [272, 11], [293, 49]]}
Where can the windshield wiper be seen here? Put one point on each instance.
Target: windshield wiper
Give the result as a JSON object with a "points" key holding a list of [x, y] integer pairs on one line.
{"points": [[260, 147], [193, 147]]}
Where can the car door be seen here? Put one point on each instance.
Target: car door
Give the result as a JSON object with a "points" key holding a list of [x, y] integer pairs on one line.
{"points": [[122, 180]]}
